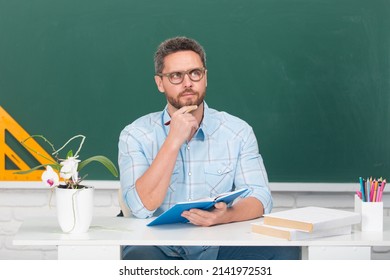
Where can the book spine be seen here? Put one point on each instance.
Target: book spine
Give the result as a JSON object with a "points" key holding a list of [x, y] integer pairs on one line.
{"points": [[279, 222]]}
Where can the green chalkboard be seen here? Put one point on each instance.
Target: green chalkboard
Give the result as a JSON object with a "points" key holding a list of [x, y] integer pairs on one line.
{"points": [[312, 77]]}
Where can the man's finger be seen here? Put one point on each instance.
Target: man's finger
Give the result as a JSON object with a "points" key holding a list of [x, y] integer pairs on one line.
{"points": [[191, 108], [186, 109]]}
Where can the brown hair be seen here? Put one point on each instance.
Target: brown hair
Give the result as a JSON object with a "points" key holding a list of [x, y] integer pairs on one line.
{"points": [[173, 45]]}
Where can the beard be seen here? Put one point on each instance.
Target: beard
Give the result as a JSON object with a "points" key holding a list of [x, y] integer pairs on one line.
{"points": [[177, 103]]}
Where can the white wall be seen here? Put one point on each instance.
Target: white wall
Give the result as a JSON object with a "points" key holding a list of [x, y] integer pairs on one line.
{"points": [[19, 201]]}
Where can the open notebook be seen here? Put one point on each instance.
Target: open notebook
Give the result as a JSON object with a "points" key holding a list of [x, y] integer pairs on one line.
{"points": [[173, 214]]}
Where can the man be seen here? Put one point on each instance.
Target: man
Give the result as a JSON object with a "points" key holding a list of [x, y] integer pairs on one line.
{"points": [[190, 151]]}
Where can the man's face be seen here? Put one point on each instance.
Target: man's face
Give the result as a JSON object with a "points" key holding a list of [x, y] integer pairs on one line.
{"points": [[187, 92]]}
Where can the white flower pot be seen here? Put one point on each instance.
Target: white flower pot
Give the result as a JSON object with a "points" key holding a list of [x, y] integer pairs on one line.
{"points": [[74, 209]]}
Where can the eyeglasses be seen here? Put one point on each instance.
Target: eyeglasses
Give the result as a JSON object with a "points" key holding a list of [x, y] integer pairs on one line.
{"points": [[176, 78]]}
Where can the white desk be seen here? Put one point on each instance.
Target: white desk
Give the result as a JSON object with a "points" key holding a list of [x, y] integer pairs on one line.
{"points": [[107, 234]]}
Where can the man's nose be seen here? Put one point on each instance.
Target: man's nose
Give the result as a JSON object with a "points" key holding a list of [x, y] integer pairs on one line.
{"points": [[187, 82]]}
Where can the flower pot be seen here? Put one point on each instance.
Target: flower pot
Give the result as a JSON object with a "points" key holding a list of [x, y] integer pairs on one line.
{"points": [[74, 209]]}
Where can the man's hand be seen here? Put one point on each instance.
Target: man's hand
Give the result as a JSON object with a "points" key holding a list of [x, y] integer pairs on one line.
{"points": [[245, 209], [207, 218], [183, 124]]}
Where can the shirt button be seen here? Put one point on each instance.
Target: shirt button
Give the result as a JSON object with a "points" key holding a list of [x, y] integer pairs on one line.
{"points": [[188, 147], [219, 171], [189, 173]]}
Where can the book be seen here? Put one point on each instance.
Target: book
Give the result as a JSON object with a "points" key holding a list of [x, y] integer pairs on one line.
{"points": [[173, 214], [294, 234], [312, 219]]}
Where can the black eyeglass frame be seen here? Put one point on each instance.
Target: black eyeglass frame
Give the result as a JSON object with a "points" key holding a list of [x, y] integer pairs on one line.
{"points": [[183, 73]]}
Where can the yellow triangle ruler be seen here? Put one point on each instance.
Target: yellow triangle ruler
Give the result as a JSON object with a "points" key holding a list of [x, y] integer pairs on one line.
{"points": [[7, 123]]}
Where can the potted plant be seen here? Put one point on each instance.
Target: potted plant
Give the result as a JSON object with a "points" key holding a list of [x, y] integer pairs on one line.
{"points": [[74, 201]]}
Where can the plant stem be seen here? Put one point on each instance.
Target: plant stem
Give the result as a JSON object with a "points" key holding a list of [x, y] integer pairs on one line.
{"points": [[38, 153], [74, 137]]}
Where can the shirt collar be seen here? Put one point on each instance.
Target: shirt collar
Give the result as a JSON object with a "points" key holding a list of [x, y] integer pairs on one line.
{"points": [[165, 116], [209, 123]]}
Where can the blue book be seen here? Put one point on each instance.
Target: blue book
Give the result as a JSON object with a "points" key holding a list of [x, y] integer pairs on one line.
{"points": [[173, 214]]}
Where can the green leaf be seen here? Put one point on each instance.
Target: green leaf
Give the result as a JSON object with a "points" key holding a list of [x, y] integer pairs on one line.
{"points": [[55, 166], [103, 160], [69, 154]]}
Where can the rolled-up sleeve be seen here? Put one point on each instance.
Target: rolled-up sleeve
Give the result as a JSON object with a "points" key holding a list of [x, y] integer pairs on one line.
{"points": [[251, 172], [132, 163]]}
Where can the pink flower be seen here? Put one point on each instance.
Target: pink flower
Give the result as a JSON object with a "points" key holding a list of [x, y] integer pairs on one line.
{"points": [[50, 178]]}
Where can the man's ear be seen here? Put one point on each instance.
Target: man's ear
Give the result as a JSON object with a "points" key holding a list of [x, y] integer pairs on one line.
{"points": [[159, 83]]}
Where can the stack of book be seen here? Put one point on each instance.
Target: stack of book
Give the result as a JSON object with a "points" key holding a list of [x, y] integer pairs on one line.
{"points": [[307, 223]]}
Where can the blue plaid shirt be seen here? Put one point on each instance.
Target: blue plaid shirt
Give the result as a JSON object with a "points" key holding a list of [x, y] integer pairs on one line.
{"points": [[222, 156]]}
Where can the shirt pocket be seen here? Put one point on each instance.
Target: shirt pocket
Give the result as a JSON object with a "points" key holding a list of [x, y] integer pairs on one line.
{"points": [[219, 177]]}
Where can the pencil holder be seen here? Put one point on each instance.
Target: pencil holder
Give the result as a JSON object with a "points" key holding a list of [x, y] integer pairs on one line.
{"points": [[372, 214]]}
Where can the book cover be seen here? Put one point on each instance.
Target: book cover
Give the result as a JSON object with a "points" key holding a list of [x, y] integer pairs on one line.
{"points": [[173, 214], [294, 234], [311, 219]]}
